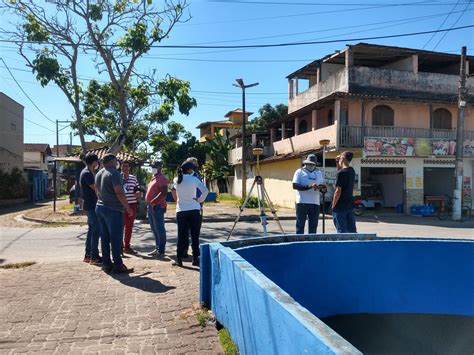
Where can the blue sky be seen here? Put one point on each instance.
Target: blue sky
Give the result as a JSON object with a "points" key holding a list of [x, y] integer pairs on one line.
{"points": [[213, 71]]}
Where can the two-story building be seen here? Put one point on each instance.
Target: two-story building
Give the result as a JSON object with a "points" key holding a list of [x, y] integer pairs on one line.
{"points": [[232, 125], [395, 108], [11, 134]]}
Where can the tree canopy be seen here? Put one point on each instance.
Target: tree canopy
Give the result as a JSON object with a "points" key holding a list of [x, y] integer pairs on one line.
{"points": [[56, 38], [267, 113]]}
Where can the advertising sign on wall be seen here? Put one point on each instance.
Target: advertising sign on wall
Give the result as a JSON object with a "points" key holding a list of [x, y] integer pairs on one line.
{"points": [[411, 147]]}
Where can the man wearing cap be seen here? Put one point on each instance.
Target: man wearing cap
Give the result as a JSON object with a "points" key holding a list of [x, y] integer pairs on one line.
{"points": [[155, 199], [89, 198], [343, 200], [110, 205], [306, 182]]}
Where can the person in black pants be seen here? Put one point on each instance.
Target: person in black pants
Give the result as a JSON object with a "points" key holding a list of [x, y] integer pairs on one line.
{"points": [[188, 207]]}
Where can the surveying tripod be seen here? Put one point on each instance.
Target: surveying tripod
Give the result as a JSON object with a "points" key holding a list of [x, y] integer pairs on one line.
{"points": [[262, 199]]}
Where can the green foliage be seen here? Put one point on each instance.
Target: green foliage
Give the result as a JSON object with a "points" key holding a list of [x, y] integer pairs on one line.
{"points": [[135, 40], [267, 114], [251, 203], [95, 12], [35, 32], [228, 198], [226, 341], [16, 185], [217, 165]]}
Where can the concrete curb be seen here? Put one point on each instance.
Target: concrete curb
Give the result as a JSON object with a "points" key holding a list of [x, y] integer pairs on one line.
{"points": [[42, 221]]}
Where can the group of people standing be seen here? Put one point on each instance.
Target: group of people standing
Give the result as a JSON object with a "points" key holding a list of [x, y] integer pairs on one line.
{"points": [[309, 183], [110, 200]]}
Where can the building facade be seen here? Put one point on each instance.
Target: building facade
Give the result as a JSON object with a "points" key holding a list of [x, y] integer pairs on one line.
{"points": [[11, 134], [231, 126], [395, 108]]}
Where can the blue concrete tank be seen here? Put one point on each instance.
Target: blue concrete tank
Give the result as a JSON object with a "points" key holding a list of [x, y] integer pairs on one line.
{"points": [[336, 294]]}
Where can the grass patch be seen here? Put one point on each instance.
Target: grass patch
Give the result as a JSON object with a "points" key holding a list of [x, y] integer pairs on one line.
{"points": [[227, 198], [204, 316], [18, 265], [226, 341], [68, 207]]}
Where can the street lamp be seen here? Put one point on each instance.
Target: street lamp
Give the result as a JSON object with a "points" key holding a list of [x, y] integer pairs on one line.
{"points": [[240, 84]]}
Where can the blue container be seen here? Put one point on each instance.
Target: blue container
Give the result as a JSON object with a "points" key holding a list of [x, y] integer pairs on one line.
{"points": [[399, 208]]}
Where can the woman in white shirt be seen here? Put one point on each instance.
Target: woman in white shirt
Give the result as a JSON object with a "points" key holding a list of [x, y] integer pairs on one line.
{"points": [[188, 208]]}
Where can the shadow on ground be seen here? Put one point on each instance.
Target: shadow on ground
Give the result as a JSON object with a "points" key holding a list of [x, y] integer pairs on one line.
{"points": [[142, 282]]}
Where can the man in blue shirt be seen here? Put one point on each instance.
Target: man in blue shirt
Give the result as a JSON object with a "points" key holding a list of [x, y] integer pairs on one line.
{"points": [[89, 198], [306, 182], [110, 205]]}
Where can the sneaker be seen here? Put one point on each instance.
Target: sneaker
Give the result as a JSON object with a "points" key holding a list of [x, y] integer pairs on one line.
{"points": [[122, 269], [177, 262], [95, 261], [153, 253], [195, 261], [87, 259], [185, 255], [129, 250], [160, 255], [107, 268]]}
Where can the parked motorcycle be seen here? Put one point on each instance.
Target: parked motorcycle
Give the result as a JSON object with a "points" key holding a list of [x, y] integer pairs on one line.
{"points": [[359, 205]]}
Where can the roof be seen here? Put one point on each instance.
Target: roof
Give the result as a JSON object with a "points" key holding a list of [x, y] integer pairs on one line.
{"points": [[366, 54], [64, 149], [289, 156], [221, 123], [37, 147], [238, 110], [100, 152]]}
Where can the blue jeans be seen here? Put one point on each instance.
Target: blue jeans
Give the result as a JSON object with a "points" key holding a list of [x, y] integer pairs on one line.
{"points": [[92, 240], [111, 232], [156, 216], [344, 221], [310, 211]]}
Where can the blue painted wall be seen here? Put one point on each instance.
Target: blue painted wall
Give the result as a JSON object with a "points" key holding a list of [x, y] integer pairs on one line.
{"points": [[261, 318], [397, 276]]}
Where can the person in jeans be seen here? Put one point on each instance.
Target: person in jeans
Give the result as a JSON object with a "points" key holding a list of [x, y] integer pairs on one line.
{"points": [[89, 198], [130, 187], [188, 207], [110, 205], [198, 194], [343, 200], [306, 182], [155, 199]]}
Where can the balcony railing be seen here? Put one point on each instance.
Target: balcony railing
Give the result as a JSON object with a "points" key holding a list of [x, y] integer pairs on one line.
{"points": [[353, 136]]}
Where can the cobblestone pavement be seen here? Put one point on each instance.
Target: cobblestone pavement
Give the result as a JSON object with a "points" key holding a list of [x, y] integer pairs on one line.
{"points": [[58, 308]]}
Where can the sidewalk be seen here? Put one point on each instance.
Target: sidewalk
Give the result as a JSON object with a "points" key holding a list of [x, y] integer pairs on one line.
{"points": [[213, 212], [75, 308]]}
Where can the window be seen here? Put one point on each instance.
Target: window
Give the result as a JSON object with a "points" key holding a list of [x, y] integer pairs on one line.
{"points": [[330, 118], [441, 119], [303, 127], [382, 116]]}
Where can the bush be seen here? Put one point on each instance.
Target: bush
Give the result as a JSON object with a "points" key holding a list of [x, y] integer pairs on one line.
{"points": [[251, 203], [12, 184]]}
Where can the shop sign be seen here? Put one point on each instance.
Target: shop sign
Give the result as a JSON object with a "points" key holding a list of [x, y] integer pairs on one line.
{"points": [[411, 147]]}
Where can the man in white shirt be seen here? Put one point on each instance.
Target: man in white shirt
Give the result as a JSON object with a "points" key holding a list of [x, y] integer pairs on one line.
{"points": [[306, 182]]}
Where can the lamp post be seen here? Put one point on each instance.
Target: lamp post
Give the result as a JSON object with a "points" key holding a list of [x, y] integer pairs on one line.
{"points": [[324, 143], [240, 84]]}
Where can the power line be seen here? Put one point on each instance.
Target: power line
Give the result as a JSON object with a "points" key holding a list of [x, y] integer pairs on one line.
{"points": [[37, 124], [454, 24], [442, 23], [287, 44], [254, 2], [24, 92]]}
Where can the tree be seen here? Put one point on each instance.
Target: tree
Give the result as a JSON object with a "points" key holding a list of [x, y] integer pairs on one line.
{"points": [[54, 38], [267, 114], [172, 152], [217, 165]]}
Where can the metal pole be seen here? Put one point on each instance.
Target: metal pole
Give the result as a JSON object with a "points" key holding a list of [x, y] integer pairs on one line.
{"points": [[57, 138], [457, 195], [324, 194], [54, 186], [244, 157]]}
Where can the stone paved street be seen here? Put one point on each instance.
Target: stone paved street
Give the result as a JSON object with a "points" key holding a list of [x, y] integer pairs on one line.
{"points": [[76, 308]]}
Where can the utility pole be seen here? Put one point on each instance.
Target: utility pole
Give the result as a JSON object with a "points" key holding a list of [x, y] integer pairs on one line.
{"points": [[241, 85], [458, 172], [55, 168]]}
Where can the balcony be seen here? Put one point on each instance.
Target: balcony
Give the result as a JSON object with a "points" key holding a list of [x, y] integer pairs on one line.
{"points": [[336, 82], [235, 155], [306, 141], [353, 136]]}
